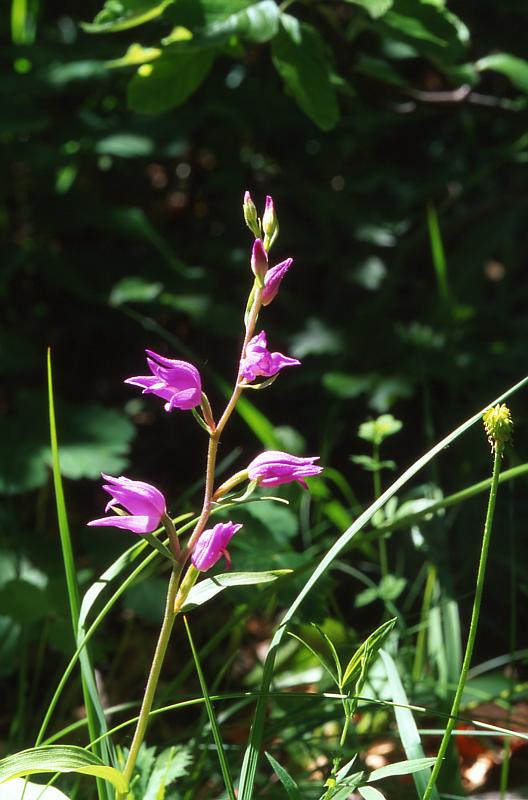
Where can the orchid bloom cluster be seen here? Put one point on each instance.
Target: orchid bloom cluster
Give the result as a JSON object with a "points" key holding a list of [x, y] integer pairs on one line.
{"points": [[140, 507]]}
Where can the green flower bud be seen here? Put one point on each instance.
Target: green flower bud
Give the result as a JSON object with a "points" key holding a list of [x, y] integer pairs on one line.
{"points": [[498, 425]]}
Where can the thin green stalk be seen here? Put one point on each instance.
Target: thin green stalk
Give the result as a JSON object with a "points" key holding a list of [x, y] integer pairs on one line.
{"points": [[152, 682], [474, 621], [376, 477]]}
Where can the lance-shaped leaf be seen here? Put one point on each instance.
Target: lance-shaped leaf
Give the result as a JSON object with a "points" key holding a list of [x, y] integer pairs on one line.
{"points": [[58, 758], [210, 587], [370, 646]]}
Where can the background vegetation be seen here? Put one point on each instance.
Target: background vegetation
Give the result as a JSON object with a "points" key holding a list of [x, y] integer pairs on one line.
{"points": [[392, 136]]}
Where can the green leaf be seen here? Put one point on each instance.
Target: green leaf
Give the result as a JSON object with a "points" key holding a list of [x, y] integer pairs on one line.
{"points": [[389, 588], [430, 28], [514, 68], [346, 386], [370, 793], [119, 15], [20, 789], [23, 601], [125, 145], [134, 56], [134, 290], [168, 81], [292, 790], [172, 763], [371, 645], [210, 587], [377, 430], [258, 23], [401, 768], [376, 8], [59, 758], [410, 738], [301, 58]]}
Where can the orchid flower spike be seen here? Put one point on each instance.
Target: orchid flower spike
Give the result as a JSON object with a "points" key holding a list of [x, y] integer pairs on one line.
{"points": [[273, 279], [273, 467], [145, 504], [177, 382], [212, 544], [258, 360]]}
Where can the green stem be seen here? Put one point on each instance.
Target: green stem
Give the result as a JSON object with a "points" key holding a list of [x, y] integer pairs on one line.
{"points": [[152, 682], [473, 624], [376, 477]]}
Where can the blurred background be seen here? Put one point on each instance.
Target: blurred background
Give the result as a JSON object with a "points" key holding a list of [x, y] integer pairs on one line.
{"points": [[393, 139]]}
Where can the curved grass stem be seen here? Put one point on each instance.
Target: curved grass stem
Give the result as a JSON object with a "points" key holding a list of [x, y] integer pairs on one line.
{"points": [[473, 624]]}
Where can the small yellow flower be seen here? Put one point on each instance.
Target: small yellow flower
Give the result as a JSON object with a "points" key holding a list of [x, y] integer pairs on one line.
{"points": [[498, 425]]}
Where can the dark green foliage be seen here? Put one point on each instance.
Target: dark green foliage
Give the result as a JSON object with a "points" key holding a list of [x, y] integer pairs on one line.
{"points": [[392, 136]]}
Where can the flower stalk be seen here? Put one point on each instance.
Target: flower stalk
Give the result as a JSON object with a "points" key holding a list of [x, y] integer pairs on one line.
{"points": [[498, 426]]}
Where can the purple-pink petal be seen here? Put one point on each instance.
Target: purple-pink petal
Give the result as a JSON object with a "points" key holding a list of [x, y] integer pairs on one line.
{"points": [[274, 467], [259, 361], [273, 279], [259, 259], [212, 544], [144, 503], [177, 382]]}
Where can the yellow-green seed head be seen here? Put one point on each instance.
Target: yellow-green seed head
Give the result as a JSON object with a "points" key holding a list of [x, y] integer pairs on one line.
{"points": [[498, 425]]}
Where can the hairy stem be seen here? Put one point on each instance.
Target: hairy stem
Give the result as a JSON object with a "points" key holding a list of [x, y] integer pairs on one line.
{"points": [[473, 624], [152, 682]]}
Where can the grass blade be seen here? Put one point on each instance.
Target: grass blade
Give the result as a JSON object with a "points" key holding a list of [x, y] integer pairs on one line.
{"points": [[251, 755], [224, 766], [94, 709], [407, 728]]}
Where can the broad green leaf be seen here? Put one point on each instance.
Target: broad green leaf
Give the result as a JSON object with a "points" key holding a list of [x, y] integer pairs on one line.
{"points": [[134, 56], [300, 56], [401, 768], [134, 290], [292, 790], [23, 601], [168, 81], [210, 587], [93, 440], [514, 68], [346, 386], [59, 758], [377, 430], [125, 145], [119, 15], [257, 23], [371, 645], [370, 793], [20, 789], [410, 738], [434, 31], [376, 8]]}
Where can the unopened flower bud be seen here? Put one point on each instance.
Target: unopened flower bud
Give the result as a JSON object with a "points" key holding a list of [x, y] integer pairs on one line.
{"points": [[498, 425], [270, 223], [259, 261], [250, 215]]}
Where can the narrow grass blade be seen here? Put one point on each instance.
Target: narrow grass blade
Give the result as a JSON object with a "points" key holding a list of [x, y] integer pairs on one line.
{"points": [[94, 709], [292, 790], [251, 755], [407, 728], [438, 254], [224, 766]]}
